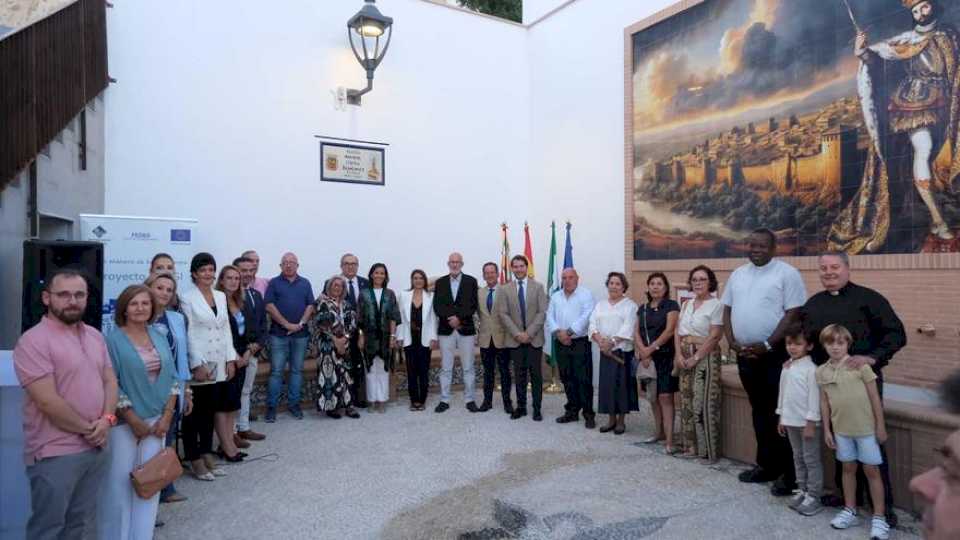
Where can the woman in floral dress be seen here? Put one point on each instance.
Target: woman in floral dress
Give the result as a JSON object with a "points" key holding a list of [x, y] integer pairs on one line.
{"points": [[334, 321]]}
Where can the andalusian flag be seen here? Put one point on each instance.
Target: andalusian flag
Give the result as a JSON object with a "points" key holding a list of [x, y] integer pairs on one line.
{"points": [[527, 249], [553, 285], [504, 256]]}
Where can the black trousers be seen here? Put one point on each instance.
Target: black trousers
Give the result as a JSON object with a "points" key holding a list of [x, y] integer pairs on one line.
{"points": [[358, 389], [761, 381], [575, 363], [863, 488], [494, 358], [197, 427], [418, 372], [527, 363]]}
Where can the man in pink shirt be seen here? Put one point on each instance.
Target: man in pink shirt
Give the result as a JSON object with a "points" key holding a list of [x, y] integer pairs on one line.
{"points": [[71, 396], [259, 283]]}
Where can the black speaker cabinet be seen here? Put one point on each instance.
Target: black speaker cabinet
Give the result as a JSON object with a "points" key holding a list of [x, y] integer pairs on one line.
{"points": [[42, 258]]}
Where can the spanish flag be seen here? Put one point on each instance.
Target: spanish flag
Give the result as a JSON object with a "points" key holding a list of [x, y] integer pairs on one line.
{"points": [[527, 249]]}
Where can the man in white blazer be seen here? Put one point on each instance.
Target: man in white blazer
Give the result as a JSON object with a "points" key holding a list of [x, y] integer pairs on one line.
{"points": [[521, 308], [490, 339]]}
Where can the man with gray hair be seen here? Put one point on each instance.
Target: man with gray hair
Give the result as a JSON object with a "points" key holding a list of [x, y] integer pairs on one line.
{"points": [[568, 316], [877, 335]]}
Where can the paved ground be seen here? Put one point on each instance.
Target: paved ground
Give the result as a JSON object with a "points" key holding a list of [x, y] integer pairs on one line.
{"points": [[404, 475]]}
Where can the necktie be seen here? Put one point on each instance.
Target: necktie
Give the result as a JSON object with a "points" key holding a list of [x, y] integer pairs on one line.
{"points": [[490, 300], [523, 304], [253, 302], [353, 293]]}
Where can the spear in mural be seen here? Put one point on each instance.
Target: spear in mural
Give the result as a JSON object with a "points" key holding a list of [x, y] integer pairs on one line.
{"points": [[852, 18]]}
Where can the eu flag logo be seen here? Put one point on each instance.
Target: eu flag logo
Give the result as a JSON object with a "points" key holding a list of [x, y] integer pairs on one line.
{"points": [[179, 235]]}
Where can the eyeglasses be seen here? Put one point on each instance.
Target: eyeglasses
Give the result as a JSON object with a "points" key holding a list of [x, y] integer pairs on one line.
{"points": [[67, 295]]}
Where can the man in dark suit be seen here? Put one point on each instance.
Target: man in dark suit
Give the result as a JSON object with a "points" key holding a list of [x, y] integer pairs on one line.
{"points": [[253, 298], [455, 303], [349, 264]]}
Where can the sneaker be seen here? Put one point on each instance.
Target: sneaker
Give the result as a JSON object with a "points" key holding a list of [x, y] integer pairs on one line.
{"points": [[798, 497], [271, 415], [810, 507], [845, 519], [296, 413], [879, 529]]}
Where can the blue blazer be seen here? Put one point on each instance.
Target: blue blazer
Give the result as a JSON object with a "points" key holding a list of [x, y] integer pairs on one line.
{"points": [[178, 326]]}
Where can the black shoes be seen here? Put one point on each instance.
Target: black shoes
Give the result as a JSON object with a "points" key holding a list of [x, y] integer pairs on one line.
{"points": [[334, 414], [485, 406], [589, 422], [350, 412], [472, 407], [537, 417], [508, 408], [519, 412], [755, 475], [567, 418], [236, 458], [782, 488], [441, 407], [361, 404]]}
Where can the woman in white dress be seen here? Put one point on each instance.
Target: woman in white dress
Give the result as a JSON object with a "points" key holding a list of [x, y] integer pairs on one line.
{"points": [[611, 328]]}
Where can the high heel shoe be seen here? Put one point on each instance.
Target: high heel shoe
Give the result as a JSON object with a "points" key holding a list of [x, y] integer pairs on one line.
{"points": [[199, 470], [607, 428], [236, 458], [619, 430]]}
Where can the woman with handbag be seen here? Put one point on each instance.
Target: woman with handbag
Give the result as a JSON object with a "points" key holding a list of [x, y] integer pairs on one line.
{"points": [[612, 325], [698, 360], [656, 323], [172, 325], [333, 322], [378, 319], [147, 396]]}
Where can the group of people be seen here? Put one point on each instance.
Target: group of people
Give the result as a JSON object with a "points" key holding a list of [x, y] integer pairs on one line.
{"points": [[185, 363]]}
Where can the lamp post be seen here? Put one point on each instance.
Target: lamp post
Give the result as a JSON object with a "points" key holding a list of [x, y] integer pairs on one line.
{"points": [[365, 30]]}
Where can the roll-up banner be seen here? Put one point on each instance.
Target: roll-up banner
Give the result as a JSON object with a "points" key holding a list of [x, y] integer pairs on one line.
{"points": [[129, 243]]}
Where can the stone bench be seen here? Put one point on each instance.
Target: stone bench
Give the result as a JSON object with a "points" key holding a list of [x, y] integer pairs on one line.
{"points": [[914, 432]]}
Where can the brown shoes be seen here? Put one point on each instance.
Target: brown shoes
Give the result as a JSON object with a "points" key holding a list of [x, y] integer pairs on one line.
{"points": [[251, 435]]}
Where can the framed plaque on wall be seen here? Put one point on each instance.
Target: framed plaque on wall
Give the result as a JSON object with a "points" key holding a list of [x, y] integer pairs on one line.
{"points": [[353, 164]]}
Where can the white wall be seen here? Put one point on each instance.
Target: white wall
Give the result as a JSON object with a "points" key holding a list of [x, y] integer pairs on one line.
{"points": [[488, 121], [216, 105], [534, 9], [577, 126]]}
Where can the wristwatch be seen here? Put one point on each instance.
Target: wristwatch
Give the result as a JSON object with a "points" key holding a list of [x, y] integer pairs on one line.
{"points": [[110, 418]]}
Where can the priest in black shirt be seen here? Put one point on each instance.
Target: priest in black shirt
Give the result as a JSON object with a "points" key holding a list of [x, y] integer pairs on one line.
{"points": [[877, 333]]}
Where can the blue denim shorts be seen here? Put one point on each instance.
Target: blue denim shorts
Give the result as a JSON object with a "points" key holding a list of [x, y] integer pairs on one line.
{"points": [[866, 449]]}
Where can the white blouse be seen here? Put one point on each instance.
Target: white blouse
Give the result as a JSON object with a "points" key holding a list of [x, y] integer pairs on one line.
{"points": [[615, 321], [697, 322]]}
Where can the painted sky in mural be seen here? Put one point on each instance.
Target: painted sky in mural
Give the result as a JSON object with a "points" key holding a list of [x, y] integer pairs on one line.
{"points": [[747, 113]]}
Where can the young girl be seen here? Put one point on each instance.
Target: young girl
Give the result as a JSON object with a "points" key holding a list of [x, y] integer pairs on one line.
{"points": [[853, 426], [799, 410]]}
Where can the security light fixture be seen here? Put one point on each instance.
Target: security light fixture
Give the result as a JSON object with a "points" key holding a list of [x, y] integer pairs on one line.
{"points": [[365, 30]]}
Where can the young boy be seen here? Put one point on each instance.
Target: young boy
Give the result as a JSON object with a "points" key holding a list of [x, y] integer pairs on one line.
{"points": [[853, 426], [799, 410]]}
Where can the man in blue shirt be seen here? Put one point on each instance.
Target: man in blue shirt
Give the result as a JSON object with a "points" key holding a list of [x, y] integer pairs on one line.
{"points": [[568, 316], [289, 302]]}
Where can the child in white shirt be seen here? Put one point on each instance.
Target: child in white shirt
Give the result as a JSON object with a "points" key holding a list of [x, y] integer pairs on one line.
{"points": [[799, 409]]}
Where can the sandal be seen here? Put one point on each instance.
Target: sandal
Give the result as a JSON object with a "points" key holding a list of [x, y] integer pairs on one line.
{"points": [[199, 470], [671, 450]]}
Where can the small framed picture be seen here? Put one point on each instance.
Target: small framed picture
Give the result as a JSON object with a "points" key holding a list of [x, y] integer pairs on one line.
{"points": [[352, 164]]}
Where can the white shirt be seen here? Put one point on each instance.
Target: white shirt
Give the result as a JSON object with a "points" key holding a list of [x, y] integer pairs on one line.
{"points": [[378, 294], [571, 312], [615, 321], [455, 285], [758, 297], [799, 399], [697, 322]]}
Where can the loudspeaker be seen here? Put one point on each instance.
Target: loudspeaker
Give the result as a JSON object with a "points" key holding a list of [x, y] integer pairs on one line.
{"points": [[42, 258]]}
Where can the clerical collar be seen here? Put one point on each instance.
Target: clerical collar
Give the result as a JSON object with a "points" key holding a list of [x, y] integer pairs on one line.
{"points": [[923, 29], [841, 290]]}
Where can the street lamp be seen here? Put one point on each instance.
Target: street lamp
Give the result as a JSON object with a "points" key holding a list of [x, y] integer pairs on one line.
{"points": [[365, 29]]}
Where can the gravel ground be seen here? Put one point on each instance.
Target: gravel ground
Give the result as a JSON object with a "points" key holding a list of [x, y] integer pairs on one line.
{"points": [[418, 475]]}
